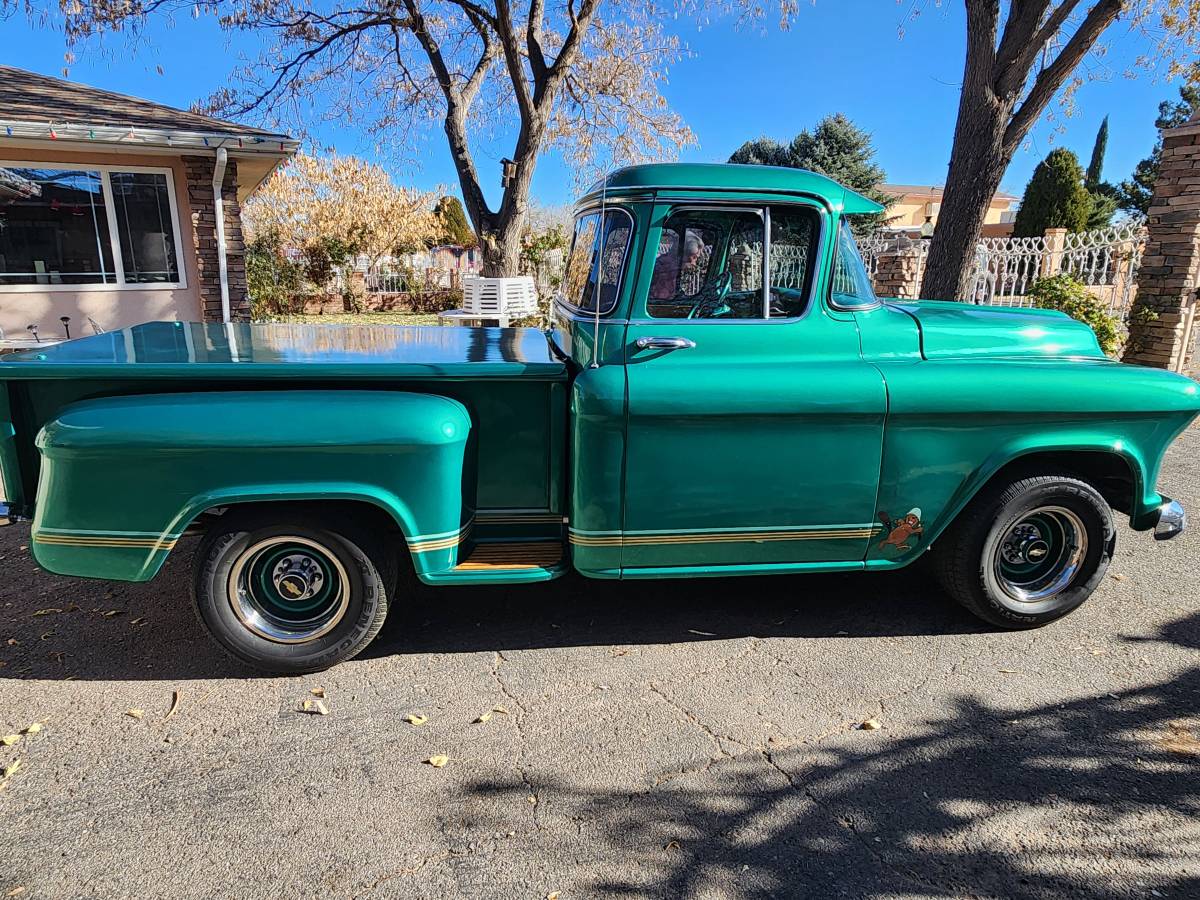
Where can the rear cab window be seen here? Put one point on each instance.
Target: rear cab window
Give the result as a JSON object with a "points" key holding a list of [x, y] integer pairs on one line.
{"points": [[593, 276]]}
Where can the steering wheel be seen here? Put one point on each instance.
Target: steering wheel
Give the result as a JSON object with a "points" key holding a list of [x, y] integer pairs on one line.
{"points": [[708, 300]]}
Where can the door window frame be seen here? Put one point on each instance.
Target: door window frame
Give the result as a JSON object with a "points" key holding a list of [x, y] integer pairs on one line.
{"points": [[762, 208]]}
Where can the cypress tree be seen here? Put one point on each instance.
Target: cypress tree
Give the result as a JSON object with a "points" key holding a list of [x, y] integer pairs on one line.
{"points": [[455, 229], [1055, 197], [1095, 169]]}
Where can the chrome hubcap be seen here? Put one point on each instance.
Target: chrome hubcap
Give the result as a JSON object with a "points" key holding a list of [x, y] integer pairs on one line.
{"points": [[288, 589], [1041, 553]]}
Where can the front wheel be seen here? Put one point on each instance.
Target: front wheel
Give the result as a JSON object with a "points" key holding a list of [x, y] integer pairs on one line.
{"points": [[291, 597], [1028, 552]]}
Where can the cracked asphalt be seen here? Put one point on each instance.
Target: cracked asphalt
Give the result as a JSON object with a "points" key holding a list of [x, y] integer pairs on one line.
{"points": [[684, 739]]}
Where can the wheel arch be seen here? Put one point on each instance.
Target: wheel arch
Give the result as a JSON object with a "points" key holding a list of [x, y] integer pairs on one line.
{"points": [[1117, 473]]}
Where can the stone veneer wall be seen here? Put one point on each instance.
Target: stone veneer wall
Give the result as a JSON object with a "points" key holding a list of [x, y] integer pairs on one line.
{"points": [[199, 171], [1162, 329]]}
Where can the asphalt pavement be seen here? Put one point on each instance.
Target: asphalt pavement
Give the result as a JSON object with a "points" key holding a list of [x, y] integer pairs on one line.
{"points": [[650, 739]]}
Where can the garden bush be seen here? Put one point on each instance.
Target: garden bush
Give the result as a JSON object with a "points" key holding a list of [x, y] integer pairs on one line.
{"points": [[1067, 294]]}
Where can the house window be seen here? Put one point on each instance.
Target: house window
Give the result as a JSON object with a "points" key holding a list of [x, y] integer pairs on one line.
{"points": [[75, 228]]}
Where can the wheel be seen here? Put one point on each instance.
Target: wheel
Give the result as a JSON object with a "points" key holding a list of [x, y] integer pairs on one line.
{"points": [[1027, 552], [291, 597]]}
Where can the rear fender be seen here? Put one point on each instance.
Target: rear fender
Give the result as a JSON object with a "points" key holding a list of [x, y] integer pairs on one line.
{"points": [[122, 477]]}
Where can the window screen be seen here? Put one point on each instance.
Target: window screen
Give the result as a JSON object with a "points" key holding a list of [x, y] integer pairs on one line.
{"points": [[143, 209]]}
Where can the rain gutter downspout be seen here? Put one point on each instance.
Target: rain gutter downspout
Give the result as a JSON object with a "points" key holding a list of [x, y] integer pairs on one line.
{"points": [[222, 157]]}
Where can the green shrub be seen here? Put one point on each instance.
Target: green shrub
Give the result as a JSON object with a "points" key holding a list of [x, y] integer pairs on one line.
{"points": [[1069, 295], [273, 281]]}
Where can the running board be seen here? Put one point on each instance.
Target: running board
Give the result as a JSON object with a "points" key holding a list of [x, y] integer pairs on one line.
{"points": [[505, 563]]}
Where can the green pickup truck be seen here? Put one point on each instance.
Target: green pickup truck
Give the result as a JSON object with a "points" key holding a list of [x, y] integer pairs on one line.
{"points": [[719, 393]]}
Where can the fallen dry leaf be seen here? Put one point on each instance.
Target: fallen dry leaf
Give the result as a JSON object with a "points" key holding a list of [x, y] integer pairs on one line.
{"points": [[9, 739], [672, 845], [48, 611], [1180, 740], [110, 613], [553, 895], [483, 717], [620, 651], [416, 719], [314, 707], [871, 724], [16, 892], [500, 709], [176, 696], [317, 692], [34, 728], [140, 620], [12, 642], [438, 760], [1009, 671], [135, 713], [11, 769], [1117, 576]]}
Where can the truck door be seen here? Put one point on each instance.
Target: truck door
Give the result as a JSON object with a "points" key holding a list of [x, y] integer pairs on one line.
{"points": [[754, 426]]}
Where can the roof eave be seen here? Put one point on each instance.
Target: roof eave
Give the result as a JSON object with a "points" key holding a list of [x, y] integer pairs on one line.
{"points": [[167, 139]]}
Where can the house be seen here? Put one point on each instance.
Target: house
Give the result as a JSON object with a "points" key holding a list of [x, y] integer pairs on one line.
{"points": [[917, 205], [109, 208]]}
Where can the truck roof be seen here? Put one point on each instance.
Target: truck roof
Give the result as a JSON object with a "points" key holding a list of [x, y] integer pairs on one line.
{"points": [[204, 349], [733, 177]]}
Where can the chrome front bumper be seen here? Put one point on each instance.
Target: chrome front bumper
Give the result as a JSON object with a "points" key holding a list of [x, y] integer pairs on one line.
{"points": [[1172, 520]]}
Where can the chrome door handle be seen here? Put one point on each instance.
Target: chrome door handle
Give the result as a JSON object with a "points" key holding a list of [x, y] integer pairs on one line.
{"points": [[664, 343]]}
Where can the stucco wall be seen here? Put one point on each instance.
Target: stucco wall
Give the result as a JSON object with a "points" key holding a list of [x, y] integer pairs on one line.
{"points": [[111, 308]]}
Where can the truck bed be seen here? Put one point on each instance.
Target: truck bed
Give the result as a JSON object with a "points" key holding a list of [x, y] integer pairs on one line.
{"points": [[286, 350], [511, 383]]}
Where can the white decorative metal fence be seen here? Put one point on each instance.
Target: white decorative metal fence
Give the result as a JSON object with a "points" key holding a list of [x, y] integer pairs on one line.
{"points": [[1106, 260]]}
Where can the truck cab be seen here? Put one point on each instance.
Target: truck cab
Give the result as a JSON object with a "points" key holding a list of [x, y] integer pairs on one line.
{"points": [[719, 392]]}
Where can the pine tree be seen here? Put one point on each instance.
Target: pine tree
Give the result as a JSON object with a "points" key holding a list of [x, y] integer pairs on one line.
{"points": [[837, 148], [455, 229], [1095, 171], [1133, 194], [1054, 198]]}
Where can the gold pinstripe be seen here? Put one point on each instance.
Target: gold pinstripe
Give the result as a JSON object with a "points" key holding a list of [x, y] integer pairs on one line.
{"points": [[442, 543], [81, 540]]}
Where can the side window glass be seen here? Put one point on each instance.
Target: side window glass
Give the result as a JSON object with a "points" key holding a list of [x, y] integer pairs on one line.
{"points": [[708, 266], [584, 270], [794, 232], [851, 282]]}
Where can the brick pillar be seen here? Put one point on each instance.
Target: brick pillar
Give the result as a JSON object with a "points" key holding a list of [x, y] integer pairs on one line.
{"points": [[1056, 240], [898, 272], [199, 171], [1161, 329]]}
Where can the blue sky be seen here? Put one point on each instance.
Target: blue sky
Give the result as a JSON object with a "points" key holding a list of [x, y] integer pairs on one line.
{"points": [[839, 56]]}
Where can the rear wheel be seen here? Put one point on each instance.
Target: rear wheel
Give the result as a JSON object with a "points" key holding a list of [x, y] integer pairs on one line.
{"points": [[294, 596], [1025, 553]]}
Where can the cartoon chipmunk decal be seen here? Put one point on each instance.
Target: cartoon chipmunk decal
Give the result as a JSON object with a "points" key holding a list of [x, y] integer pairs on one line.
{"points": [[901, 530]]}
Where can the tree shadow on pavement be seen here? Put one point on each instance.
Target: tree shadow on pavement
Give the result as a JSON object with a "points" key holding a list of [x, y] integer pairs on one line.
{"points": [[1097, 797]]}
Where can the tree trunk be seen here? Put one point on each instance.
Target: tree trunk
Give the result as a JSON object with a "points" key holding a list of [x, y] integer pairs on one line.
{"points": [[978, 162], [501, 254]]}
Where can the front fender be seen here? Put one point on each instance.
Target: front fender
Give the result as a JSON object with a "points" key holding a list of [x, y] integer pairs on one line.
{"points": [[122, 477]]}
